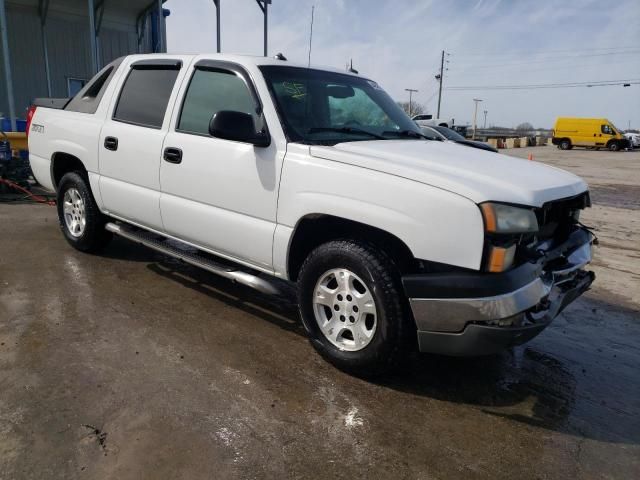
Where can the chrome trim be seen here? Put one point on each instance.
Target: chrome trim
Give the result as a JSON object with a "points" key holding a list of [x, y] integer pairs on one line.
{"points": [[453, 314], [577, 259]]}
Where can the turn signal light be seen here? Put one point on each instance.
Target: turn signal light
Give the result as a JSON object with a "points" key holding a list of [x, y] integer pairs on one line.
{"points": [[500, 258]]}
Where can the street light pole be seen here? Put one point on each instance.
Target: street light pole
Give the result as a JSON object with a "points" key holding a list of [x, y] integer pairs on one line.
{"points": [[485, 119], [217, 4], [264, 6], [411, 91], [475, 116]]}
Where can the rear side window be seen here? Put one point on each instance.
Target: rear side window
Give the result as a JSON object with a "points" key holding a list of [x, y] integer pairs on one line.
{"points": [[209, 92], [88, 98], [145, 95]]}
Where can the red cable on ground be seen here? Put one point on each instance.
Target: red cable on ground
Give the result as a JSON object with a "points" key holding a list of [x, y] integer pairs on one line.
{"points": [[35, 198]]}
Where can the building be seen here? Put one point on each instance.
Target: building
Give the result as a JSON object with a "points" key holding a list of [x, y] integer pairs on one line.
{"points": [[50, 48]]}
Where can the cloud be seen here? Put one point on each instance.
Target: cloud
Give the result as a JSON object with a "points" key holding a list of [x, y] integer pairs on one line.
{"points": [[491, 42]]}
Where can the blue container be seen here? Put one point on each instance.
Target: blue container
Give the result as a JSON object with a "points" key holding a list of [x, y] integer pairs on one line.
{"points": [[5, 125]]}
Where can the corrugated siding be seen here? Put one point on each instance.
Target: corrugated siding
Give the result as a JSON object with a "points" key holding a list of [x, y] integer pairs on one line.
{"points": [[69, 53], [23, 29]]}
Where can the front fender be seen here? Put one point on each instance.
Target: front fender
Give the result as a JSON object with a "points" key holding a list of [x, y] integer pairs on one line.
{"points": [[436, 225]]}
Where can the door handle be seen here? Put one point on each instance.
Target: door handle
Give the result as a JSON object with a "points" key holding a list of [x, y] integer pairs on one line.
{"points": [[172, 155], [111, 143]]}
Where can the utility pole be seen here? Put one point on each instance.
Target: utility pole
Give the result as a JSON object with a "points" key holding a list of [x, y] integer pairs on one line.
{"points": [[313, 7], [411, 91], [439, 77], [485, 119], [264, 6], [217, 4], [475, 115]]}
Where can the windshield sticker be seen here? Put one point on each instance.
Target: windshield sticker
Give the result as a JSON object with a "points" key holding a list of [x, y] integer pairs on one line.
{"points": [[374, 85], [295, 90]]}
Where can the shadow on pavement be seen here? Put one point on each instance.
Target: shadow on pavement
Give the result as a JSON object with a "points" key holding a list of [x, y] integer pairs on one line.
{"points": [[525, 384]]}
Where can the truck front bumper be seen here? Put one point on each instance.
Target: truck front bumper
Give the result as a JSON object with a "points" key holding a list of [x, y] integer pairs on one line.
{"points": [[475, 313]]}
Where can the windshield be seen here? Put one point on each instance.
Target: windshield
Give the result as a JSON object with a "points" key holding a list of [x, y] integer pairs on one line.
{"points": [[431, 134], [450, 134], [320, 107]]}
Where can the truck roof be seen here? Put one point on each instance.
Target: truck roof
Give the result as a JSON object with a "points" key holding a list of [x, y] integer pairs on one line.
{"points": [[590, 119], [247, 60]]}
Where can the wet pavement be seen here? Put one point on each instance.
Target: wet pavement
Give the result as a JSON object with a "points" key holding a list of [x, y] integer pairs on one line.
{"points": [[131, 365]]}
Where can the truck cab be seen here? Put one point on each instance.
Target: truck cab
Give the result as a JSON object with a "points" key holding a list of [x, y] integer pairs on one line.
{"points": [[277, 175]]}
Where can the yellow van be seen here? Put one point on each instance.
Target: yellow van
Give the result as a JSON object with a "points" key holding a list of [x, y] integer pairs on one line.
{"points": [[569, 132]]}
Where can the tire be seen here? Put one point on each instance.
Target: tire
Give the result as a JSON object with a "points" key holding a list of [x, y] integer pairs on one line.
{"points": [[614, 146], [379, 341], [565, 144], [80, 220]]}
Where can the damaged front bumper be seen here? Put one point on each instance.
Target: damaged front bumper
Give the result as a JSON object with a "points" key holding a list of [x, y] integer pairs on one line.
{"points": [[475, 313]]}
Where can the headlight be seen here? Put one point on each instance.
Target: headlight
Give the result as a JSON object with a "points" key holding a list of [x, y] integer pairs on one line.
{"points": [[500, 218]]}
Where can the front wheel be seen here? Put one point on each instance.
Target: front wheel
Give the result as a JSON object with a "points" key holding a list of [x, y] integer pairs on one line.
{"points": [[352, 307], [81, 222], [614, 147], [565, 144]]}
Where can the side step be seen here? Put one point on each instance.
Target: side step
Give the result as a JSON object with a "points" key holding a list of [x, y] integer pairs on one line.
{"points": [[163, 245]]}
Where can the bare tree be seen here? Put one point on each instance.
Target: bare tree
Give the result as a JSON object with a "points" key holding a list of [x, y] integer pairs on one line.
{"points": [[416, 108], [524, 128]]}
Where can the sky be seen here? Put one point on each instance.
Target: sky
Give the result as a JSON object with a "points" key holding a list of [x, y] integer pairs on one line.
{"points": [[488, 43]]}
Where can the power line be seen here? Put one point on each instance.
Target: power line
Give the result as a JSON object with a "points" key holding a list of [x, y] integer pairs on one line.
{"points": [[544, 52], [597, 83], [552, 67], [548, 60]]}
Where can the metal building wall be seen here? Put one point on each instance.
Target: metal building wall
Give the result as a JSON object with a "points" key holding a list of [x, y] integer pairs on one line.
{"points": [[69, 52]]}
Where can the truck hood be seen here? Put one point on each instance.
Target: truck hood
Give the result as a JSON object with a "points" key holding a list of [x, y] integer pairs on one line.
{"points": [[475, 174]]}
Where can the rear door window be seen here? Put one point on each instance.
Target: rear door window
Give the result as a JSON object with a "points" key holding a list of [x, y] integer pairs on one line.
{"points": [[145, 95]]}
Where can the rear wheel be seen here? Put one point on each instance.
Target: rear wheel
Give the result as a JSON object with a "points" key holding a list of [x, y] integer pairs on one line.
{"points": [[352, 307], [81, 222], [565, 144]]}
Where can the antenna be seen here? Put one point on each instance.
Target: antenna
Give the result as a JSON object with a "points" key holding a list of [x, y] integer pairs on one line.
{"points": [[311, 35]]}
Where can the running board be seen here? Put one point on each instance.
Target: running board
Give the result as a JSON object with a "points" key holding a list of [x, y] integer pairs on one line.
{"points": [[192, 258]]}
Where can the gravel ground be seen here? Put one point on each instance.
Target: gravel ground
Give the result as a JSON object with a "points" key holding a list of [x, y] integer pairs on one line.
{"points": [[130, 365]]}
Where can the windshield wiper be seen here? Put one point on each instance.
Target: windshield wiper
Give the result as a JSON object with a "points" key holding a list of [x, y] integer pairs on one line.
{"points": [[353, 130], [407, 133]]}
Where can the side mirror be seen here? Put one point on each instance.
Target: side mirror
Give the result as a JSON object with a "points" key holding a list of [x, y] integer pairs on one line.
{"points": [[237, 126]]}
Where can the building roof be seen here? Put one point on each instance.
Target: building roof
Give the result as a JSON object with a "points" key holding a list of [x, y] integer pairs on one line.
{"points": [[79, 7]]}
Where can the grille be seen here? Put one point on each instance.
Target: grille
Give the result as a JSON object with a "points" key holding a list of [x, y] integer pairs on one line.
{"points": [[556, 219]]}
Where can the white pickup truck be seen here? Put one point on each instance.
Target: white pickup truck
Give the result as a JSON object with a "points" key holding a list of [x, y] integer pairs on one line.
{"points": [[266, 172]]}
